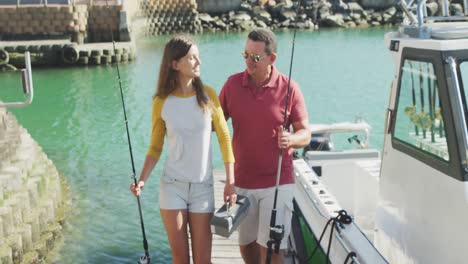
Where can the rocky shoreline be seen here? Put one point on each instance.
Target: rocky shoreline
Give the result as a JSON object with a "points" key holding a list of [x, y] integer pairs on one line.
{"points": [[313, 14], [310, 15]]}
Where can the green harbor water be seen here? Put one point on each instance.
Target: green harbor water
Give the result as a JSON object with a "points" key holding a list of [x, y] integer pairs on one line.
{"points": [[77, 118]]}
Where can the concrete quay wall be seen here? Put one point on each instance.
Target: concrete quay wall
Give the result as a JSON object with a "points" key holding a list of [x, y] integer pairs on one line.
{"points": [[80, 23], [34, 199]]}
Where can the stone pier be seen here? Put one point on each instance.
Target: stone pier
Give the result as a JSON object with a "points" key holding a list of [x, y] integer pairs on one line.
{"points": [[34, 199]]}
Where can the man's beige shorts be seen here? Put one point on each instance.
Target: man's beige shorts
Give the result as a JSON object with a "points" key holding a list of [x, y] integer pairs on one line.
{"points": [[256, 225]]}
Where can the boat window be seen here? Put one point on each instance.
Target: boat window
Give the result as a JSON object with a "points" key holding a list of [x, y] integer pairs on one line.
{"points": [[419, 121]]}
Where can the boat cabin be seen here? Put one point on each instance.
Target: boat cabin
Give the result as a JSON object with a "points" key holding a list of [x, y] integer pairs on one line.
{"points": [[409, 204]]}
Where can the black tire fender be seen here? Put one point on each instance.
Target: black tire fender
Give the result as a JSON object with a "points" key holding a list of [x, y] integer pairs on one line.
{"points": [[4, 57], [70, 54]]}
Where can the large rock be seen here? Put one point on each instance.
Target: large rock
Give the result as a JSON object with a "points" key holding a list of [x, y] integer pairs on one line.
{"points": [[432, 9], [355, 8], [287, 14], [241, 17], [204, 17], [333, 21], [261, 14], [220, 24], [261, 24], [456, 9], [307, 24]]}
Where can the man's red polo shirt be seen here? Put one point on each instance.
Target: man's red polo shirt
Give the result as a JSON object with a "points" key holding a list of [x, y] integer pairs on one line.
{"points": [[256, 114]]}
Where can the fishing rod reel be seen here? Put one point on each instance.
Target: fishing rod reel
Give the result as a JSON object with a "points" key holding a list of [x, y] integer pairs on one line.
{"points": [[144, 260], [276, 235]]}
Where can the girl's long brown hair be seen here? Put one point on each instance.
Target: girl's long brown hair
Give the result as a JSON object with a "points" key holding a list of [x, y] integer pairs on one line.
{"points": [[176, 48]]}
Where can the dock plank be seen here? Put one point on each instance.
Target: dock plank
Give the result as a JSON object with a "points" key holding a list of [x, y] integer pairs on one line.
{"points": [[224, 250]]}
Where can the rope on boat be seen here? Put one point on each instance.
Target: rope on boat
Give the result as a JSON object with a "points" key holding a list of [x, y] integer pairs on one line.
{"points": [[146, 259], [350, 256], [340, 219]]}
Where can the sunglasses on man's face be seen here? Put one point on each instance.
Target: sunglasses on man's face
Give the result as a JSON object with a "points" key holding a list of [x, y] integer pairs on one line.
{"points": [[254, 57]]}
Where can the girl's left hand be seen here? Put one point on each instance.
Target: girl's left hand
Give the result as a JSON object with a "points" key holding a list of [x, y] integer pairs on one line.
{"points": [[230, 193]]}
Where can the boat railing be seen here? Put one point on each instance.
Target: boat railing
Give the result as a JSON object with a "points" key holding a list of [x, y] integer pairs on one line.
{"points": [[419, 26], [26, 78], [421, 11], [360, 127]]}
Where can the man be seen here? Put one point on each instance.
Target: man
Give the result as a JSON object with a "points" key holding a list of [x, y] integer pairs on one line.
{"points": [[255, 101]]}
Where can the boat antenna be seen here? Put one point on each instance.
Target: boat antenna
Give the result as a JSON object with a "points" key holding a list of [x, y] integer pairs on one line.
{"points": [[277, 231], [146, 258]]}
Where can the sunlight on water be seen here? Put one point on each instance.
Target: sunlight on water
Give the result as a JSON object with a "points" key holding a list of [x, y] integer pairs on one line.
{"points": [[78, 120]]}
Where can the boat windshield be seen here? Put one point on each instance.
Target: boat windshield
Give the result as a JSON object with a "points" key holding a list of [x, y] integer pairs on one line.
{"points": [[419, 122]]}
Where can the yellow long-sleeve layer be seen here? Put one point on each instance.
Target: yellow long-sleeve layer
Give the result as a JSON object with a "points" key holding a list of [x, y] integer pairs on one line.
{"points": [[161, 117]]}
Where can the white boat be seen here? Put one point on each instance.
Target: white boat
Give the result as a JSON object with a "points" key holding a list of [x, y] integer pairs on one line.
{"points": [[408, 204]]}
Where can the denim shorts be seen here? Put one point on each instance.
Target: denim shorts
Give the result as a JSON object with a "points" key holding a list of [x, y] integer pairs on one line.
{"points": [[194, 197], [256, 225]]}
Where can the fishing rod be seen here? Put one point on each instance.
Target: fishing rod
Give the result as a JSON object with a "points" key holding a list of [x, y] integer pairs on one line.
{"points": [[277, 231], [146, 259]]}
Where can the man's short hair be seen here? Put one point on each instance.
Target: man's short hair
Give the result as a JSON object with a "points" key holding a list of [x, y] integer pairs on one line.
{"points": [[266, 36]]}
